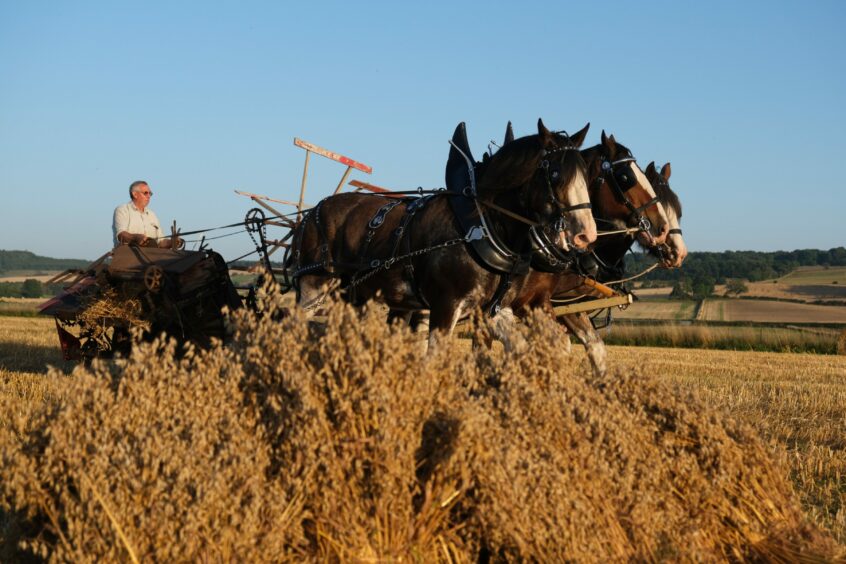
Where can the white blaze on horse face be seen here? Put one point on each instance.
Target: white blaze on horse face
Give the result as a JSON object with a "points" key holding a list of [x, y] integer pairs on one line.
{"points": [[656, 214], [581, 225], [562, 241], [675, 240]]}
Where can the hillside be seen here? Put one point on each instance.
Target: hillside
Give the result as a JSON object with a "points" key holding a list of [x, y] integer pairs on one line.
{"points": [[25, 262]]}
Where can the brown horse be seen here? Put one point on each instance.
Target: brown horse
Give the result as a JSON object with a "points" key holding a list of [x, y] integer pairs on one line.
{"points": [[673, 252], [611, 252], [413, 254], [622, 199]]}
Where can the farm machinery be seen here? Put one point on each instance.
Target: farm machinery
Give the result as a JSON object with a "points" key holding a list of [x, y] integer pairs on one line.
{"points": [[150, 290]]}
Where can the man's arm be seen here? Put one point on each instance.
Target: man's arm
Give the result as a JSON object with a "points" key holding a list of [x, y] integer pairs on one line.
{"points": [[120, 224]]}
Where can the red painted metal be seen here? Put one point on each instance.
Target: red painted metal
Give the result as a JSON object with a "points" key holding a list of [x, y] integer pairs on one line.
{"points": [[330, 155]]}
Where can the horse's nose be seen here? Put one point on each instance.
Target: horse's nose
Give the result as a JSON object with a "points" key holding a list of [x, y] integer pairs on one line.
{"points": [[681, 254], [582, 240], [662, 237]]}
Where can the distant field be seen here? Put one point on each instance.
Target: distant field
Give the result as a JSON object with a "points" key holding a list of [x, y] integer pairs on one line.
{"points": [[658, 309], [22, 306], [654, 293], [788, 291], [21, 275], [763, 311], [815, 275]]}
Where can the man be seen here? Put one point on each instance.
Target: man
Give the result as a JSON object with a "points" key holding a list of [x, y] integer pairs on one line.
{"points": [[134, 223]]}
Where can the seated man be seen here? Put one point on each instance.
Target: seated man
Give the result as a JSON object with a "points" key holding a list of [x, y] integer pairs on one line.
{"points": [[135, 224]]}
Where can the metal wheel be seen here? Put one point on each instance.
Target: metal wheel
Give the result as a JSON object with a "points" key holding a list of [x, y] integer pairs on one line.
{"points": [[254, 220], [154, 278]]}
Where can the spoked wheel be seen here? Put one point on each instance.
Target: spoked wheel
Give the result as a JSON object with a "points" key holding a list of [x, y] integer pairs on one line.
{"points": [[154, 278], [254, 220]]}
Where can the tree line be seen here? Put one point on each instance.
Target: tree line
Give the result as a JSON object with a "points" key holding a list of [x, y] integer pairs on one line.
{"points": [[11, 261], [702, 270]]}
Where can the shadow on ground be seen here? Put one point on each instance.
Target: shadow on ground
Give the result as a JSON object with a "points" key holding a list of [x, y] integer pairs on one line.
{"points": [[18, 357]]}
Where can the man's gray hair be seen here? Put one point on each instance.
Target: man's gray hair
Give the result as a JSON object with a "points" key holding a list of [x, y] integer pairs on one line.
{"points": [[136, 184]]}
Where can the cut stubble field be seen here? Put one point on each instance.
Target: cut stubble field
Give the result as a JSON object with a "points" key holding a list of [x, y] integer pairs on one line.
{"points": [[764, 311]]}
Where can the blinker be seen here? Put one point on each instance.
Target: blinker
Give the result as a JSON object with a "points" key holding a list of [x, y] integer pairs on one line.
{"points": [[625, 178]]}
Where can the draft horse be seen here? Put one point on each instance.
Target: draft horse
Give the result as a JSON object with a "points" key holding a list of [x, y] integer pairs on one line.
{"points": [[414, 254], [623, 200], [611, 253]]}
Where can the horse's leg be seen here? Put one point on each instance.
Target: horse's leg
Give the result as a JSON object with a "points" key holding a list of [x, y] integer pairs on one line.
{"points": [[582, 328], [419, 321], [503, 325], [395, 315], [442, 318], [312, 291]]}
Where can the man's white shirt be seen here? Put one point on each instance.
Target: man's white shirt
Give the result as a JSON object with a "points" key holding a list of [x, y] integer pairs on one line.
{"points": [[128, 218]]}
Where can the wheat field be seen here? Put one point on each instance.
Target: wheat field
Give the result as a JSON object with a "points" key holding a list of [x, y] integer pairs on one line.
{"points": [[349, 445]]}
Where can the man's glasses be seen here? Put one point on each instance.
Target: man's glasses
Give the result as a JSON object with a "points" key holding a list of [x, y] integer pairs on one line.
{"points": [[146, 193]]}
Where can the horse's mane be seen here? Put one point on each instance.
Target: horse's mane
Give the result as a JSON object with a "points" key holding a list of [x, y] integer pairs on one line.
{"points": [[516, 162], [665, 194]]}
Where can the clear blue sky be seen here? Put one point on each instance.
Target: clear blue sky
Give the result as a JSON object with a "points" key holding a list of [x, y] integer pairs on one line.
{"points": [[745, 99]]}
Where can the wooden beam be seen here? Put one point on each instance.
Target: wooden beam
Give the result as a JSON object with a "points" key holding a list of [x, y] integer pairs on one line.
{"points": [[599, 287], [309, 147], [268, 198], [302, 186], [343, 179], [592, 305], [369, 187]]}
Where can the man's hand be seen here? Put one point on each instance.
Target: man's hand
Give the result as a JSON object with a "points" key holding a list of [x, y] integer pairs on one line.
{"points": [[167, 243], [132, 238]]}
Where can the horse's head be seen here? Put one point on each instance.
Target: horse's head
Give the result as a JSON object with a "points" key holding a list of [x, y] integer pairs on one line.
{"points": [[621, 193], [673, 251], [550, 173]]}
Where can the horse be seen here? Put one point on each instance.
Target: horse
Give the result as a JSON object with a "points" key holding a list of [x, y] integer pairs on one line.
{"points": [[622, 199], [420, 257], [671, 253]]}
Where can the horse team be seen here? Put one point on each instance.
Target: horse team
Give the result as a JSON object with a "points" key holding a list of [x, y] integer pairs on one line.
{"points": [[538, 220]]}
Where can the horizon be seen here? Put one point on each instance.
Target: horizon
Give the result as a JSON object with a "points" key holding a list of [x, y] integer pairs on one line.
{"points": [[744, 100], [246, 260]]}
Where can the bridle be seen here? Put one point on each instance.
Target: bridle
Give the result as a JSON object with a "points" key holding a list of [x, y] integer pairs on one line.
{"points": [[673, 231], [621, 181], [664, 248], [554, 256], [551, 173]]}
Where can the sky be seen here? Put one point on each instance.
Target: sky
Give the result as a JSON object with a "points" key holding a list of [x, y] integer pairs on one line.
{"points": [[746, 100]]}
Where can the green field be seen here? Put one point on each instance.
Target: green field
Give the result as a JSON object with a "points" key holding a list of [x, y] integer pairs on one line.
{"points": [[815, 275]]}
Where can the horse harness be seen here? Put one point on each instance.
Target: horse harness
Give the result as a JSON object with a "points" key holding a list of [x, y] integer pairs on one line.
{"points": [[621, 181], [365, 268], [662, 249], [547, 256]]}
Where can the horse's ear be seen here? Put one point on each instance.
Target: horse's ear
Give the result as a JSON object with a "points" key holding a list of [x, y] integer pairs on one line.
{"points": [[603, 138], [666, 171], [544, 134], [509, 134], [650, 169], [579, 137], [609, 142]]}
